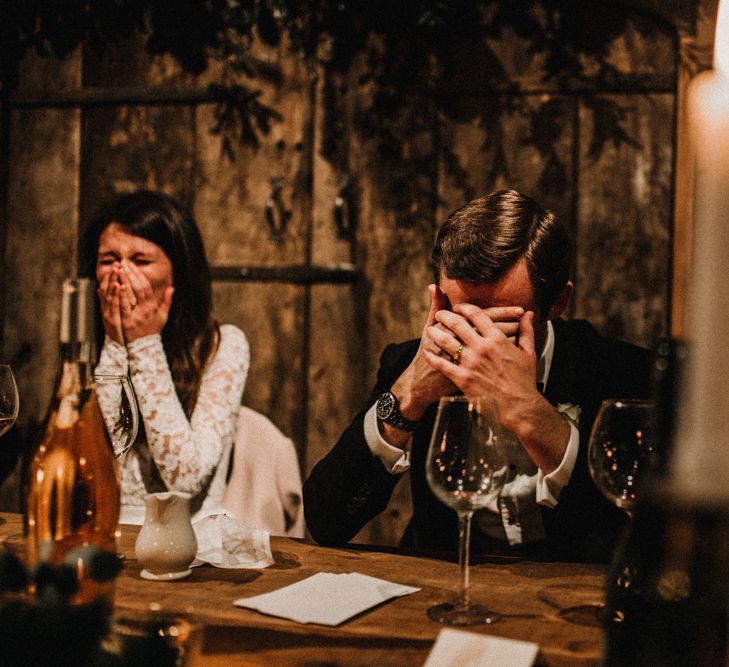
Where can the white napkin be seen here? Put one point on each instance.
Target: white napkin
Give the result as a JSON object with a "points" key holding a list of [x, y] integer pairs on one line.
{"points": [[326, 598], [457, 648], [224, 541], [132, 515]]}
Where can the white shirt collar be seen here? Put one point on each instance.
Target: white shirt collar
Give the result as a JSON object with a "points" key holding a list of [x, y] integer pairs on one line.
{"points": [[544, 363]]}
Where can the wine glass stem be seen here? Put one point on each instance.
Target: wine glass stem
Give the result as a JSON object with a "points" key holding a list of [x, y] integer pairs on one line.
{"points": [[464, 543]]}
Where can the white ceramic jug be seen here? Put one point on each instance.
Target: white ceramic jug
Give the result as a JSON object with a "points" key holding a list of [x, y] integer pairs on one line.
{"points": [[166, 544]]}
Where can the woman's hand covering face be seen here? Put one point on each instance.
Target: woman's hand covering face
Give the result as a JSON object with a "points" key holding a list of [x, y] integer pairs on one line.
{"points": [[135, 285]]}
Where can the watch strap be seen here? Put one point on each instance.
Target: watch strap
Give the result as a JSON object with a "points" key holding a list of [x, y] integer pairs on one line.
{"points": [[388, 410]]}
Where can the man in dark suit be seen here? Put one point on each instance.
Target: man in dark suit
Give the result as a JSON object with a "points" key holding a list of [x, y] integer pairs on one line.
{"points": [[502, 265]]}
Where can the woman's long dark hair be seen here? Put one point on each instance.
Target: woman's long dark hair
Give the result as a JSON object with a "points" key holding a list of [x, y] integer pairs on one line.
{"points": [[191, 334]]}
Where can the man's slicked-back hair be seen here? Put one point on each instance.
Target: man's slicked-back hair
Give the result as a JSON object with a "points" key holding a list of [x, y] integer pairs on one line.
{"points": [[481, 241]]}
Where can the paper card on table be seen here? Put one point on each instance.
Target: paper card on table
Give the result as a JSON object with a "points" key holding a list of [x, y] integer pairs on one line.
{"points": [[457, 648], [326, 598]]}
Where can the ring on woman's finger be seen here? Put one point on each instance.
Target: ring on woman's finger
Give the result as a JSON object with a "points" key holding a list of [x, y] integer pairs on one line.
{"points": [[456, 356]]}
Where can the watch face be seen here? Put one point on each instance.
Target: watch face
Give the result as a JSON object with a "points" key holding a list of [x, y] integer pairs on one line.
{"points": [[385, 405]]}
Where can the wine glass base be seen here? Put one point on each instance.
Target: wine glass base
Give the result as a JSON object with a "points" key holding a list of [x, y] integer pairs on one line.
{"points": [[473, 614]]}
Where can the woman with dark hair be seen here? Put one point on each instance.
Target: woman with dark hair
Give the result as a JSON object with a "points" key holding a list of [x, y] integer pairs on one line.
{"points": [[155, 301]]}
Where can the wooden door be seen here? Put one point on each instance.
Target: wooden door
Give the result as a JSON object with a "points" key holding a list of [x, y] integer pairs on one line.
{"points": [[320, 236]]}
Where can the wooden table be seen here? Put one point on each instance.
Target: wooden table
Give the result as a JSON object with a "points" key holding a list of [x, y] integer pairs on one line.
{"points": [[528, 595]]}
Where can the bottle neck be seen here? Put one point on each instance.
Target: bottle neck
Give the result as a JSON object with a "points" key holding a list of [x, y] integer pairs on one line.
{"points": [[79, 352], [79, 356]]}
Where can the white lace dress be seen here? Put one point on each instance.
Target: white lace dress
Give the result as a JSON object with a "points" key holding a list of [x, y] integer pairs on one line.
{"points": [[180, 454]]}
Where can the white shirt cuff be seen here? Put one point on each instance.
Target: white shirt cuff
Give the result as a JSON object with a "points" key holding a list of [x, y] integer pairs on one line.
{"points": [[550, 486], [394, 459]]}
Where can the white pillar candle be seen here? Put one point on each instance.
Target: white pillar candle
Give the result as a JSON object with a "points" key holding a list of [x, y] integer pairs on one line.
{"points": [[701, 457]]}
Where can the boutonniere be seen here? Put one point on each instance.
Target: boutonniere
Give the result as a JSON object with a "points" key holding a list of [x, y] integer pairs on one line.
{"points": [[571, 412]]}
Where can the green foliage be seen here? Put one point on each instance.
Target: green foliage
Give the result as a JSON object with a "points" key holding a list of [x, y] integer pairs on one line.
{"points": [[414, 54]]}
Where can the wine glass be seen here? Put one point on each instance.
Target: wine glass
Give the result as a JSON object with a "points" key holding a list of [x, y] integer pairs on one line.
{"points": [[118, 404], [622, 445], [622, 448], [466, 468], [9, 402]]}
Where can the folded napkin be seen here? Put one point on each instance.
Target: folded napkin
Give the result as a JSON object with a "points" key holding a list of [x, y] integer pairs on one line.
{"points": [[326, 598], [458, 648], [131, 515], [224, 541]]}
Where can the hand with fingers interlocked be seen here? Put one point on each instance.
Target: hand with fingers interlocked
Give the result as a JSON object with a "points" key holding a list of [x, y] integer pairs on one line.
{"points": [[424, 382], [130, 308], [492, 353], [420, 385], [495, 351]]}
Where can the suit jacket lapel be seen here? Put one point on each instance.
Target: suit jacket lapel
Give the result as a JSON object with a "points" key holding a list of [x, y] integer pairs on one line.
{"points": [[566, 372]]}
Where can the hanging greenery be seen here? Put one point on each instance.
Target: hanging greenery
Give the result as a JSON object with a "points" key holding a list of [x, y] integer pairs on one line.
{"points": [[412, 54]]}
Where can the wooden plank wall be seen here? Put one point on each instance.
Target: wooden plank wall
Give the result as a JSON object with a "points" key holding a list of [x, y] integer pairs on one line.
{"points": [[315, 346]]}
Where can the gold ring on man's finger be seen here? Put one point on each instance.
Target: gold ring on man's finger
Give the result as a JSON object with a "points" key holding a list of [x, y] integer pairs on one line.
{"points": [[457, 354]]}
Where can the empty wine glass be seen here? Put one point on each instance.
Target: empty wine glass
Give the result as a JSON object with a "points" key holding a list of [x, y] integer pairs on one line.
{"points": [[9, 402], [118, 404], [622, 449], [466, 468], [622, 445]]}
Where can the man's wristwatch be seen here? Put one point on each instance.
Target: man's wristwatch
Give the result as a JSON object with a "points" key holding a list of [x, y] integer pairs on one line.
{"points": [[388, 410]]}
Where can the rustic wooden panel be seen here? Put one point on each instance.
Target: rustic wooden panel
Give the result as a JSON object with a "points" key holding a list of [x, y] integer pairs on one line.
{"points": [[338, 382], [41, 229], [646, 48], [126, 148], [477, 64], [315, 349], [272, 317], [231, 195], [129, 147], [474, 164], [126, 64], [623, 245], [41, 246], [41, 237], [231, 187], [338, 379], [42, 75], [393, 249]]}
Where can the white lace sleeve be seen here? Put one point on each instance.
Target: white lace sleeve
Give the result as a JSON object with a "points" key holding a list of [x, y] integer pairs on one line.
{"points": [[113, 359], [187, 453]]}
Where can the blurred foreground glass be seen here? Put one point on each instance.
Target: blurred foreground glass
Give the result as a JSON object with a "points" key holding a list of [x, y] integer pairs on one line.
{"points": [[155, 637], [466, 468], [622, 446], [118, 404], [9, 402]]}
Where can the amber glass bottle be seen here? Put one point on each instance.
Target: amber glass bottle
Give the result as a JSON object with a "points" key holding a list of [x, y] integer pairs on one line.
{"points": [[73, 484]]}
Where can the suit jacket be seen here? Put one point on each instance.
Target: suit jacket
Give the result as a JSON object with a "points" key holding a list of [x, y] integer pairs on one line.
{"points": [[350, 486]]}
